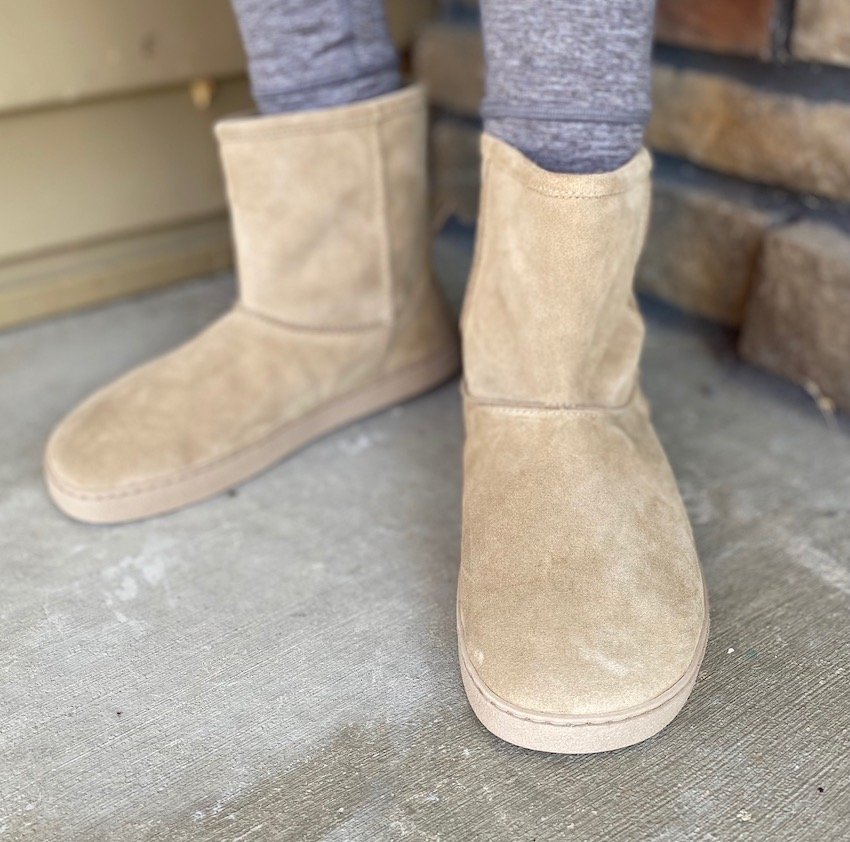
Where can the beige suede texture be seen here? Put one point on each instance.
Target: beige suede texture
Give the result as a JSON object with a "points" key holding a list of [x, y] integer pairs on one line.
{"points": [[580, 590], [329, 219]]}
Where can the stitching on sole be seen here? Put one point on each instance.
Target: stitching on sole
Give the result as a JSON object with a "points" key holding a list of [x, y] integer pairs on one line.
{"points": [[549, 723], [485, 692]]}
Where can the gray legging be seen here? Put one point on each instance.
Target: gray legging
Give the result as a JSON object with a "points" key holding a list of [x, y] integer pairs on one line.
{"points": [[568, 81]]}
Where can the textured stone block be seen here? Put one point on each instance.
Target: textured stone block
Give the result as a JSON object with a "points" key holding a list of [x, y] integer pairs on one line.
{"points": [[701, 250], [450, 61], [798, 317], [761, 136], [822, 31], [738, 27]]}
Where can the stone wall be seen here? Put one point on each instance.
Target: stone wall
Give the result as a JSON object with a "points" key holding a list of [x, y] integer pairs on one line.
{"points": [[751, 131]]}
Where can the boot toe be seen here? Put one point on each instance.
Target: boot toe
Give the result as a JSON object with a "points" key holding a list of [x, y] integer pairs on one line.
{"points": [[119, 444], [111, 446], [156, 422], [193, 422], [602, 672], [581, 598]]}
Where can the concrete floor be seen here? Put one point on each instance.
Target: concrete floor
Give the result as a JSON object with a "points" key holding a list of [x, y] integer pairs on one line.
{"points": [[279, 663]]}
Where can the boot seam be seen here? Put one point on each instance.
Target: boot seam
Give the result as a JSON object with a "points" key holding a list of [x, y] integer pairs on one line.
{"points": [[631, 176], [511, 407], [554, 193], [363, 327]]}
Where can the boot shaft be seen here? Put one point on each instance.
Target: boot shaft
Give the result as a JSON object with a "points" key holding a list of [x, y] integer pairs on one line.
{"points": [[328, 210], [550, 317]]}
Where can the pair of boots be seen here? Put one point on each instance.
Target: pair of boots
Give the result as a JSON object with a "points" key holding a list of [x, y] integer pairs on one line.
{"points": [[582, 615]]}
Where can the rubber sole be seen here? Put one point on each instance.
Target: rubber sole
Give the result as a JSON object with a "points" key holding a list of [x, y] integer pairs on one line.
{"points": [[578, 734], [174, 493]]}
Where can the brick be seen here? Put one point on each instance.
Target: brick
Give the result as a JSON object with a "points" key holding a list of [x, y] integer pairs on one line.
{"points": [[822, 31], [740, 27], [798, 317], [701, 250], [736, 27], [737, 129], [455, 168], [450, 61]]}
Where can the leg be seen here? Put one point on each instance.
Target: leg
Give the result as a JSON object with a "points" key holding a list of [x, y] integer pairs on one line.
{"points": [[307, 54], [582, 617], [338, 315], [569, 83]]}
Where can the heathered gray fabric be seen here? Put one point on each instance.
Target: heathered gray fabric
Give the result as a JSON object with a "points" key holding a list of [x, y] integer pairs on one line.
{"points": [[306, 54], [568, 81]]}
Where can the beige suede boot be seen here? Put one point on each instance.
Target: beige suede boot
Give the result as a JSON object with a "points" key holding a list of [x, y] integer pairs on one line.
{"points": [[582, 614], [338, 317]]}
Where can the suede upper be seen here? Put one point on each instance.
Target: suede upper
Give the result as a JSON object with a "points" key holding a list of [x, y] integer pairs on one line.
{"points": [[550, 314], [329, 220], [218, 393], [330, 197], [580, 590]]}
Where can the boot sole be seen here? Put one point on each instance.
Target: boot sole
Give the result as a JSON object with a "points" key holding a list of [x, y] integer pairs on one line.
{"points": [[223, 474], [578, 734]]}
